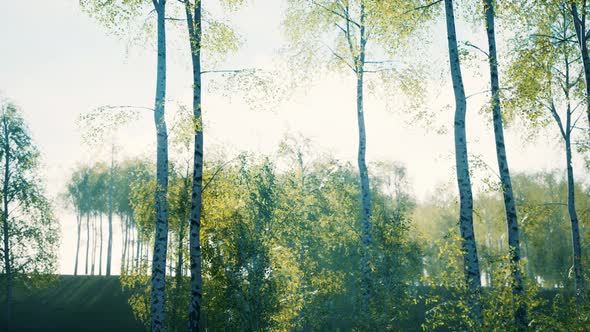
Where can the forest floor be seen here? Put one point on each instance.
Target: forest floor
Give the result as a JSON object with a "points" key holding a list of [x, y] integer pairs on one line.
{"points": [[72, 303]]}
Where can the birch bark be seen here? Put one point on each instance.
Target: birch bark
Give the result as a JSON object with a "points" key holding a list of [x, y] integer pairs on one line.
{"points": [[504, 170], [470, 259], [158, 294], [194, 23]]}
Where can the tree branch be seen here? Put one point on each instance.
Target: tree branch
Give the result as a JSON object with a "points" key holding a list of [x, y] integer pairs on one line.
{"points": [[345, 17], [125, 106], [422, 7], [226, 71], [219, 169], [340, 58], [557, 118], [477, 48], [381, 62]]}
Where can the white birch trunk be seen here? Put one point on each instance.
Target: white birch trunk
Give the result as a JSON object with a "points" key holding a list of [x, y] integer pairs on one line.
{"points": [[363, 171], [196, 296], [110, 240], [470, 259], [158, 289], [509, 203], [79, 226]]}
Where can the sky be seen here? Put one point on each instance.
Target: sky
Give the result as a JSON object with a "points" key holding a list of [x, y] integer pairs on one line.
{"points": [[56, 63]]}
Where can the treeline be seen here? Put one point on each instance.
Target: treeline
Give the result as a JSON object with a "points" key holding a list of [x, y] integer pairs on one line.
{"points": [[281, 245], [541, 200], [280, 241], [99, 191]]}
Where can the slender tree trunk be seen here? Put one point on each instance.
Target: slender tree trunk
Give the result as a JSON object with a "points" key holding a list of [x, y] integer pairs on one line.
{"points": [[79, 224], [180, 262], [110, 240], [131, 254], [302, 326], [571, 207], [530, 271], [5, 198], [158, 294], [146, 259], [580, 26], [87, 241], [137, 249], [93, 253], [125, 223], [195, 31], [100, 255], [470, 259], [504, 170], [363, 171], [571, 202]]}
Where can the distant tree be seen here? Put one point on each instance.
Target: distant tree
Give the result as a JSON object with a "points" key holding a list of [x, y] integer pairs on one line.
{"points": [[76, 195], [29, 229], [123, 177], [97, 201], [110, 211]]}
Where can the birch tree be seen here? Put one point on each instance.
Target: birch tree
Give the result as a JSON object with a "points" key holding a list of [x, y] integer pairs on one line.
{"points": [[161, 237], [223, 40], [354, 35], [469, 248], [545, 74], [194, 25], [76, 189], [114, 14], [504, 170], [579, 23], [110, 211]]}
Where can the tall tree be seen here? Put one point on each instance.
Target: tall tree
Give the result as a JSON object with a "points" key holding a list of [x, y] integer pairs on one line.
{"points": [[158, 293], [100, 246], [221, 39], [579, 22], [179, 199], [111, 188], [114, 15], [355, 30], [87, 242], [545, 74], [29, 231], [76, 189], [504, 170], [194, 23], [469, 248]]}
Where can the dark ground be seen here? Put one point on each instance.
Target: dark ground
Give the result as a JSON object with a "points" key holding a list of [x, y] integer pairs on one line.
{"points": [[81, 303], [93, 303]]}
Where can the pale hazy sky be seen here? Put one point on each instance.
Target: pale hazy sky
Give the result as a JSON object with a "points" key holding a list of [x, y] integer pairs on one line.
{"points": [[56, 63]]}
